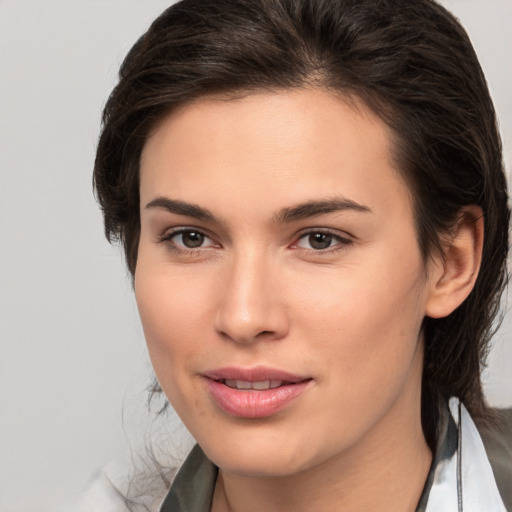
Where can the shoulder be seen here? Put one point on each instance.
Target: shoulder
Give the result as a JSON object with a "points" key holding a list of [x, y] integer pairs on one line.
{"points": [[497, 438], [100, 495], [103, 493], [113, 489]]}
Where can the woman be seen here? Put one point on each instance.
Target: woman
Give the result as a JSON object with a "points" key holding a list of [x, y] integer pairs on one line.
{"points": [[311, 199]]}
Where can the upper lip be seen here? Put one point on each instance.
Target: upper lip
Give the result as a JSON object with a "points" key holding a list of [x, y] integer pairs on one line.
{"points": [[256, 374]]}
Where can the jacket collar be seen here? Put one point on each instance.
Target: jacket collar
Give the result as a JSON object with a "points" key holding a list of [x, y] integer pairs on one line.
{"points": [[463, 481]]}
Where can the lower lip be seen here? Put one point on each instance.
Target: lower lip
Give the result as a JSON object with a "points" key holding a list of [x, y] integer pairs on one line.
{"points": [[253, 403]]}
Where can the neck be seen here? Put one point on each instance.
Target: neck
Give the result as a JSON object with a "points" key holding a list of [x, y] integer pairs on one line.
{"points": [[385, 470]]}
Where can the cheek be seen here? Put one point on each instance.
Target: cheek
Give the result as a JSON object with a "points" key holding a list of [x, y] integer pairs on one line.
{"points": [[366, 325], [170, 311]]}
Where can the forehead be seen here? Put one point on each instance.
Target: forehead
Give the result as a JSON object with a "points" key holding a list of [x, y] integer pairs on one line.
{"points": [[267, 148]]}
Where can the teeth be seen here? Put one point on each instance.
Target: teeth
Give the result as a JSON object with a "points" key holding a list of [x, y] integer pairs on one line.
{"points": [[259, 386]]}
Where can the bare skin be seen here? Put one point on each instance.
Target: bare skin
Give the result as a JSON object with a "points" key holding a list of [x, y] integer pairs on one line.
{"points": [[277, 235], [368, 477]]}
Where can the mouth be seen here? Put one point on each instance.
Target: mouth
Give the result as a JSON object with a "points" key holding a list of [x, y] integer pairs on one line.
{"points": [[258, 375], [262, 385], [255, 393]]}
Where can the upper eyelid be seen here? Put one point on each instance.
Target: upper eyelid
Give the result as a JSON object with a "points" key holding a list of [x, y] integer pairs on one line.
{"points": [[328, 231], [169, 232]]}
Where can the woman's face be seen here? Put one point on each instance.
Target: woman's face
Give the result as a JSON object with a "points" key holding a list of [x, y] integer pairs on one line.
{"points": [[278, 253]]}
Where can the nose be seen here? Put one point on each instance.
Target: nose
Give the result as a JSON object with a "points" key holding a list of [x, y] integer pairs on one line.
{"points": [[251, 305]]}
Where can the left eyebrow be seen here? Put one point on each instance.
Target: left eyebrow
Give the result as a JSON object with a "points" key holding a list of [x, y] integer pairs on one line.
{"points": [[314, 208]]}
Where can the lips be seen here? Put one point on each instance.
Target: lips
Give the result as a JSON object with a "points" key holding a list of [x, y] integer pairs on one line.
{"points": [[254, 393]]}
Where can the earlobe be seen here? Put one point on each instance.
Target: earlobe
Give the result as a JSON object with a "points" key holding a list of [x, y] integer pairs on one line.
{"points": [[453, 276]]}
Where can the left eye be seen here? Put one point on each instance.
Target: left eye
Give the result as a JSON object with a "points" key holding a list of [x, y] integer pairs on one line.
{"points": [[319, 241]]}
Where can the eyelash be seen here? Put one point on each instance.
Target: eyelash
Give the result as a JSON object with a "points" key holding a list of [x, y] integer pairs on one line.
{"points": [[341, 243], [168, 240]]}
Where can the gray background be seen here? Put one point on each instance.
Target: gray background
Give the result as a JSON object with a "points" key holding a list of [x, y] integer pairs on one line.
{"points": [[73, 365]]}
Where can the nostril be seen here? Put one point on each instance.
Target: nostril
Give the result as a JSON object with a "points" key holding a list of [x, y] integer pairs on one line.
{"points": [[264, 333]]}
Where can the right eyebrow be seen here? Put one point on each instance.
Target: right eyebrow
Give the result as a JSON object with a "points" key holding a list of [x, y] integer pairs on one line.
{"points": [[181, 208]]}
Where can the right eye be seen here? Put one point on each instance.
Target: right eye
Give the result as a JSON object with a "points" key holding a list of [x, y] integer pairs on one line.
{"points": [[187, 239]]}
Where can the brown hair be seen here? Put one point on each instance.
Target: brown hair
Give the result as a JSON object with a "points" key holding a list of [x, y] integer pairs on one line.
{"points": [[409, 60]]}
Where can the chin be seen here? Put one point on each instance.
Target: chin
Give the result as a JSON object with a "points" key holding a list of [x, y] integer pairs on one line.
{"points": [[261, 455], [256, 466]]}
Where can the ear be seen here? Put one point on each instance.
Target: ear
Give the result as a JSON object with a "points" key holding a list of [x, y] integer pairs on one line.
{"points": [[453, 275]]}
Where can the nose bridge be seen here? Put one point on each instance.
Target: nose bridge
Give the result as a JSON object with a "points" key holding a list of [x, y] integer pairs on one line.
{"points": [[250, 308]]}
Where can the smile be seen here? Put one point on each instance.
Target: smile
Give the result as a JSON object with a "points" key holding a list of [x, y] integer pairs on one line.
{"points": [[254, 393], [247, 385]]}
